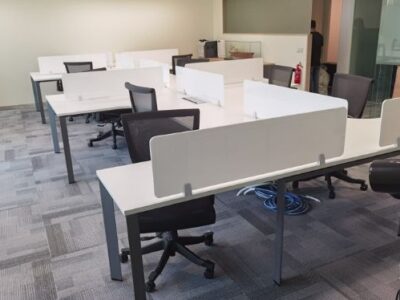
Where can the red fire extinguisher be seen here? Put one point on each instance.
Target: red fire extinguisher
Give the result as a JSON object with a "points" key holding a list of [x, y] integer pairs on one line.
{"points": [[297, 73]]}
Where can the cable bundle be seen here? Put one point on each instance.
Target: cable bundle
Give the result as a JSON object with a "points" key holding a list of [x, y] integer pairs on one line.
{"points": [[294, 204]]}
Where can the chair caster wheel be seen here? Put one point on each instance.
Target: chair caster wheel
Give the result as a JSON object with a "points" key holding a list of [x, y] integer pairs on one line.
{"points": [[114, 147], [150, 286], [87, 121], [332, 195], [209, 272], [124, 257], [90, 144], [364, 187], [209, 239]]}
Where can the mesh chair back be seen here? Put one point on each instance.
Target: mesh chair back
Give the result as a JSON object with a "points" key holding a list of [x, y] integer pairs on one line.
{"points": [[98, 70], [139, 128], [268, 70], [355, 89], [281, 75], [77, 67], [143, 99], [176, 58]]}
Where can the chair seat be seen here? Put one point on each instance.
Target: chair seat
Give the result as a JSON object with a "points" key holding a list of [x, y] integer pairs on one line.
{"points": [[112, 115], [189, 214]]}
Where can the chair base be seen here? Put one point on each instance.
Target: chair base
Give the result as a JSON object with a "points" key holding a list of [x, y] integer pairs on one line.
{"points": [[87, 120], [341, 175], [171, 244], [114, 132]]}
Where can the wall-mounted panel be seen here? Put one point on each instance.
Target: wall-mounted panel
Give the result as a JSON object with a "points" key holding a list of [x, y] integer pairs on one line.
{"points": [[267, 16]]}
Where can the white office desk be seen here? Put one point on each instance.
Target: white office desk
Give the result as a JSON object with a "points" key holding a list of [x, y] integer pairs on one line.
{"points": [[36, 79], [43, 77], [131, 188], [361, 142], [210, 115]]}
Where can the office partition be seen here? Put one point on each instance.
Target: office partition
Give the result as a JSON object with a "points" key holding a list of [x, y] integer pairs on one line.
{"points": [[200, 86], [234, 71], [211, 157], [262, 100], [81, 86], [55, 64]]}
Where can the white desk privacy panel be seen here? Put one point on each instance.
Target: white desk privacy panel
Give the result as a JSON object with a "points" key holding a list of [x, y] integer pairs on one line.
{"points": [[262, 101], [234, 71], [55, 64], [131, 59], [219, 155], [81, 86], [204, 86], [390, 127]]}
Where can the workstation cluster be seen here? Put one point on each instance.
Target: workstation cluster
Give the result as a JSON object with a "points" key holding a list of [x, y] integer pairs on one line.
{"points": [[199, 128]]}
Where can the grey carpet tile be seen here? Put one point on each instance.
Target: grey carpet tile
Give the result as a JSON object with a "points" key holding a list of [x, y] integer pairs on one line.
{"points": [[53, 245]]}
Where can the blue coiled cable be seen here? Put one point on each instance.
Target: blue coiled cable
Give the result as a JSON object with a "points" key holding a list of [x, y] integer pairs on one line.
{"points": [[294, 204]]}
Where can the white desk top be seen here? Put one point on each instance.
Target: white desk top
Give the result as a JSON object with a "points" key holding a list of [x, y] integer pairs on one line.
{"points": [[132, 186], [36, 76], [210, 115]]}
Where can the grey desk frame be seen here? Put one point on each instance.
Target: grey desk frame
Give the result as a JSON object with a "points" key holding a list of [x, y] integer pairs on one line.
{"points": [[37, 94], [134, 229], [65, 139]]}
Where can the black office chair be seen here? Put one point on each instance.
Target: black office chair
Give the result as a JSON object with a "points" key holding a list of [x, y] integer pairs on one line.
{"points": [[77, 67], [165, 222], [142, 100], [268, 70], [355, 89], [281, 75], [185, 61], [175, 59], [384, 177]]}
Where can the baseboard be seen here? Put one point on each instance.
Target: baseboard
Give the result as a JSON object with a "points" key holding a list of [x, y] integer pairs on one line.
{"points": [[21, 106]]}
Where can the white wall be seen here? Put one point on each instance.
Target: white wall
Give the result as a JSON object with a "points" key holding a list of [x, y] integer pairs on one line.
{"points": [[32, 28], [284, 49]]}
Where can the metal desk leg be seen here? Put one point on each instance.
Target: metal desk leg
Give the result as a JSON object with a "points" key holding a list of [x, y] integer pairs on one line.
{"points": [[35, 95], [53, 126], [40, 101], [280, 218], [135, 249], [67, 150], [111, 234]]}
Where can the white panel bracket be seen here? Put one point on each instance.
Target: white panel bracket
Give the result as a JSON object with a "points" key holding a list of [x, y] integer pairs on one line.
{"points": [[188, 190], [322, 159]]}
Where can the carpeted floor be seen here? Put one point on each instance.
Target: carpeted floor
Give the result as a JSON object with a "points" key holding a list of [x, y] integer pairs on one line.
{"points": [[52, 242]]}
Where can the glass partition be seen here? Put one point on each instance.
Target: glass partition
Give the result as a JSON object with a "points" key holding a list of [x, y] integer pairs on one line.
{"points": [[366, 31]]}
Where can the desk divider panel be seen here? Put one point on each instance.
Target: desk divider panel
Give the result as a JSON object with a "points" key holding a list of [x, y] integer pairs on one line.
{"points": [[390, 126], [235, 153], [81, 86], [147, 63], [200, 85], [55, 64], [131, 59], [234, 71], [262, 101]]}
